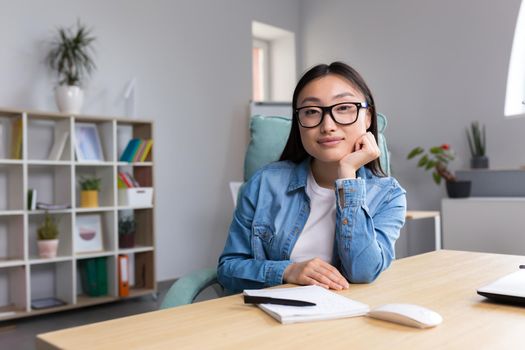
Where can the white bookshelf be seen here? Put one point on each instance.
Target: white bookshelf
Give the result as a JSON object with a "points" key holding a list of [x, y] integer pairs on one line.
{"points": [[25, 276]]}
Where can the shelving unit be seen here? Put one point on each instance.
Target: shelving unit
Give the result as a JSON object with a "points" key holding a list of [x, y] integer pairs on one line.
{"points": [[24, 276]]}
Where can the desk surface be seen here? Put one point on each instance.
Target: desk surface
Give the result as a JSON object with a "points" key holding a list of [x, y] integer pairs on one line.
{"points": [[420, 214], [444, 281]]}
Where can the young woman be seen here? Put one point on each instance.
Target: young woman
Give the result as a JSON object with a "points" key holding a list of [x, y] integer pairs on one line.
{"points": [[325, 214]]}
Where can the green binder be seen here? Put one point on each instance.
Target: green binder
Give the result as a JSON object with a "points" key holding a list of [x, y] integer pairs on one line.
{"points": [[94, 276]]}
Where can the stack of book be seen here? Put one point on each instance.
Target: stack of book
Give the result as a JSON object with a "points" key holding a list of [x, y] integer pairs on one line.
{"points": [[137, 150], [126, 180]]}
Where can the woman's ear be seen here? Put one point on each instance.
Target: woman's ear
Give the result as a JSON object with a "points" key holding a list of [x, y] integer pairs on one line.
{"points": [[368, 120]]}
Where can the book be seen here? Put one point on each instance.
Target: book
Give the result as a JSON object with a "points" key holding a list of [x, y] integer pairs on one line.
{"points": [[132, 180], [31, 199], [2, 142], [124, 178], [329, 305], [16, 139], [50, 206], [46, 303], [146, 150], [58, 146], [129, 151], [140, 150]]}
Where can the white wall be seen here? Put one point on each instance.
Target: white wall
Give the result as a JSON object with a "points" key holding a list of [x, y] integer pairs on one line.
{"points": [[192, 61], [433, 66]]}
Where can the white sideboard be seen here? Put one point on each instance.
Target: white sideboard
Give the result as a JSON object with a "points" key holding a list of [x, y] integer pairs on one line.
{"points": [[484, 224]]}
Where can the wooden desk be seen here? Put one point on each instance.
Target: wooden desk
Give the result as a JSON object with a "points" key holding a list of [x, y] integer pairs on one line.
{"points": [[445, 281], [420, 214]]}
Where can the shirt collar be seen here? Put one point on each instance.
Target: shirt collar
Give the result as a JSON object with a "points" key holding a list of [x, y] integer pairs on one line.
{"points": [[300, 174]]}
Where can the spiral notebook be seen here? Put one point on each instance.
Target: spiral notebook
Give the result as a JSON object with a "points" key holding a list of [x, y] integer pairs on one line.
{"points": [[329, 305]]}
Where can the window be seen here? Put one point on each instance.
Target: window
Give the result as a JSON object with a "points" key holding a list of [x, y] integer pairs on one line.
{"points": [[260, 70], [515, 97], [273, 63]]}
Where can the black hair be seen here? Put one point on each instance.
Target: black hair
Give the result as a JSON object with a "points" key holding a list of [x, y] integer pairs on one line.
{"points": [[294, 149]]}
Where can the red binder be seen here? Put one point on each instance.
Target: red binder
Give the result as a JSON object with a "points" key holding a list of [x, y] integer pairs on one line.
{"points": [[123, 275]]}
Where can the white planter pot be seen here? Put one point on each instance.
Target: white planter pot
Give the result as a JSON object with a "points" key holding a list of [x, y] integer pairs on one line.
{"points": [[47, 248], [69, 99]]}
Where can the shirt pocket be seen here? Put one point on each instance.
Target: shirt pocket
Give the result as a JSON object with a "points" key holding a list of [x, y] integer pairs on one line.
{"points": [[262, 239]]}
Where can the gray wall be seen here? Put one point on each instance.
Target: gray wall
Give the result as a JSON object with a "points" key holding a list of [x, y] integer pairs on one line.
{"points": [[192, 60], [434, 66]]}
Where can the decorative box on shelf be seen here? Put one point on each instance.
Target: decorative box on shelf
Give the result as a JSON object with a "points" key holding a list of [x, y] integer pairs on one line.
{"points": [[135, 197]]}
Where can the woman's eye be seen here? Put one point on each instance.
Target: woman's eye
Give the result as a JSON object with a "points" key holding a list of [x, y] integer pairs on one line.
{"points": [[345, 108], [311, 112]]}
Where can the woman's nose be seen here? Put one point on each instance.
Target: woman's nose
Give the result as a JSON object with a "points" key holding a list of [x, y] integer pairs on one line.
{"points": [[328, 124]]}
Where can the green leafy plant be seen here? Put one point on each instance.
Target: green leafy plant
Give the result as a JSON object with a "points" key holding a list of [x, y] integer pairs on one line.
{"points": [[476, 139], [48, 229], [90, 183], [127, 225], [435, 159], [71, 54]]}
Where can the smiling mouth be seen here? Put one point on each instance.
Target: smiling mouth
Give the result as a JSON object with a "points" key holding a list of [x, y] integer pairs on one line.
{"points": [[330, 142]]}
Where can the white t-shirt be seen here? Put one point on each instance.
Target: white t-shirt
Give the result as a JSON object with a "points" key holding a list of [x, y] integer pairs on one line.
{"points": [[317, 238]]}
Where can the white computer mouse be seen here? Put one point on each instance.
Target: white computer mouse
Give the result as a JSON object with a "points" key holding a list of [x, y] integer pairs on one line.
{"points": [[407, 314]]}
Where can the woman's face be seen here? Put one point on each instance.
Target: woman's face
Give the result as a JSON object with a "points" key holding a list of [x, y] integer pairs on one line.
{"points": [[329, 141]]}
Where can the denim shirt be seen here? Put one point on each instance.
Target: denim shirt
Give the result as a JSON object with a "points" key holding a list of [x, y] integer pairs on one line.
{"points": [[272, 211]]}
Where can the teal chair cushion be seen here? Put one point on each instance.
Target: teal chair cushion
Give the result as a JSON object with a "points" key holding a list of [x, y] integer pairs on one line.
{"points": [[268, 138]]}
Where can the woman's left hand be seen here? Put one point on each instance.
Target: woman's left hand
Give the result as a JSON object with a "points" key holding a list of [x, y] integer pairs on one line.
{"points": [[365, 151]]}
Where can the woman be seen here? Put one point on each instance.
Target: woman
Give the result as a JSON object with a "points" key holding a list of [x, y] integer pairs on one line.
{"points": [[325, 214]]}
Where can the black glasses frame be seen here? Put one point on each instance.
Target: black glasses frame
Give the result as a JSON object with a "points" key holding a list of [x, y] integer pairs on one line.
{"points": [[329, 109]]}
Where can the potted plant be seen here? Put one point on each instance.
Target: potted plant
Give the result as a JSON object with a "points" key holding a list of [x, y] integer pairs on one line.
{"points": [[476, 143], [437, 159], [90, 186], [70, 57], [48, 237], [126, 232]]}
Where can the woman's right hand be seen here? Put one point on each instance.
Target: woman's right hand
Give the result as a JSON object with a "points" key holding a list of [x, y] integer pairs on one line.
{"points": [[315, 272]]}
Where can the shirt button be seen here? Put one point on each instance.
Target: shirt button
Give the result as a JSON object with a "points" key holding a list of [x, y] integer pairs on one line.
{"points": [[351, 189], [345, 221]]}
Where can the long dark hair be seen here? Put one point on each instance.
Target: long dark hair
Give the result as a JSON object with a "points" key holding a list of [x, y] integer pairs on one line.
{"points": [[294, 149]]}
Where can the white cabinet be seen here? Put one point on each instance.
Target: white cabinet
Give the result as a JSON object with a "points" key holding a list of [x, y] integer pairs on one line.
{"points": [[24, 276], [484, 224]]}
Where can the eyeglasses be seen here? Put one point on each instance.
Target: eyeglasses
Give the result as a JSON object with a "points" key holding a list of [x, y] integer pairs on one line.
{"points": [[344, 113]]}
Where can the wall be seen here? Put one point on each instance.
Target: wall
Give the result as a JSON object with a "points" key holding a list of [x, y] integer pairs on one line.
{"points": [[434, 66], [192, 61]]}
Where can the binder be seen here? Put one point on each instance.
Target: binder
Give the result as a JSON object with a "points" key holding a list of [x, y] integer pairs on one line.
{"points": [[94, 276], [123, 276]]}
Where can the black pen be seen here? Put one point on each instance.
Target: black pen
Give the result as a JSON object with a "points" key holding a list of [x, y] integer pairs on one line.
{"points": [[522, 266], [249, 299]]}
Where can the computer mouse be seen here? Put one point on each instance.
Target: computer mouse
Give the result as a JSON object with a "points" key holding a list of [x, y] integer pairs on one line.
{"points": [[407, 314]]}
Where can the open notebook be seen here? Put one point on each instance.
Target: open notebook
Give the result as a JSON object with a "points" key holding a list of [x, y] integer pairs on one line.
{"points": [[509, 288], [328, 306]]}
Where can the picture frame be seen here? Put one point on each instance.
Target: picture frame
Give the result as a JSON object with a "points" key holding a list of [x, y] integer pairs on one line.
{"points": [[88, 234], [87, 143]]}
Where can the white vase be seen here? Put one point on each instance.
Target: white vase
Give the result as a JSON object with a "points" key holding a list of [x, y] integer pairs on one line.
{"points": [[47, 248], [69, 98]]}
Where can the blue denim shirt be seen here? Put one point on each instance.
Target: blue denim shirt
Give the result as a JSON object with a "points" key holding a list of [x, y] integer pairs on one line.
{"points": [[272, 211]]}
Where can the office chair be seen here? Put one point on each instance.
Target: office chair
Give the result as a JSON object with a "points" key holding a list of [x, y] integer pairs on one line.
{"points": [[268, 138]]}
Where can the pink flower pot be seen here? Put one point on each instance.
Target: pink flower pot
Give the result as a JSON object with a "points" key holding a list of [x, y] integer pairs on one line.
{"points": [[47, 248]]}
